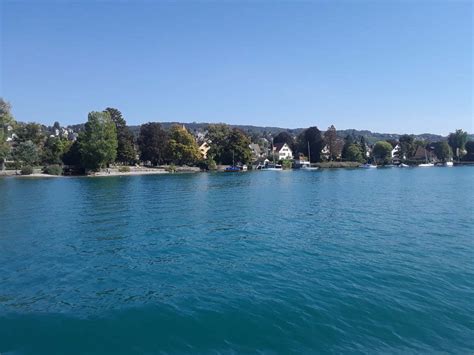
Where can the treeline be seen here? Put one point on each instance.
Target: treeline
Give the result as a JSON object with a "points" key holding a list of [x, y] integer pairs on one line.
{"points": [[106, 139]]}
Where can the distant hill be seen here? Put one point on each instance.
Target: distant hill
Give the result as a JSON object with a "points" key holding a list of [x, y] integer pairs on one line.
{"points": [[371, 137]]}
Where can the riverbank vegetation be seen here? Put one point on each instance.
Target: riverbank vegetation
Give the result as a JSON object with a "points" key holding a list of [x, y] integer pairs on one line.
{"points": [[105, 140]]}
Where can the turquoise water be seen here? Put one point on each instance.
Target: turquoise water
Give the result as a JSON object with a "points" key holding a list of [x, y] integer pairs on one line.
{"points": [[359, 261]]}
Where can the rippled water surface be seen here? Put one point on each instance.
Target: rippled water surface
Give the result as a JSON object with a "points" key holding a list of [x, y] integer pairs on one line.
{"points": [[327, 261]]}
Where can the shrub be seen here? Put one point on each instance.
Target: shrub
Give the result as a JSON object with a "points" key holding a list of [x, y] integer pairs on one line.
{"points": [[26, 170], [286, 164], [124, 169], [171, 168], [211, 164], [53, 169]]}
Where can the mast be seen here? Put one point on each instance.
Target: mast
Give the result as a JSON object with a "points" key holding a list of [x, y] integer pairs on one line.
{"points": [[273, 153], [309, 154]]}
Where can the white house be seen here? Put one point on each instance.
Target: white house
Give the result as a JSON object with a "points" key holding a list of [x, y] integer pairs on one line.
{"points": [[396, 150], [204, 148], [283, 151]]}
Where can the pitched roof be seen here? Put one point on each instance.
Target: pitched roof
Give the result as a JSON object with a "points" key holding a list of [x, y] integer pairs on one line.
{"points": [[277, 146]]}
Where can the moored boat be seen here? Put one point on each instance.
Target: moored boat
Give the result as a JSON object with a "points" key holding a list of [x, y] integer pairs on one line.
{"points": [[367, 166]]}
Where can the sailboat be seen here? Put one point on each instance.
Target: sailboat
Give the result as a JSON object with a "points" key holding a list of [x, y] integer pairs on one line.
{"points": [[308, 167], [232, 168], [273, 166], [426, 164]]}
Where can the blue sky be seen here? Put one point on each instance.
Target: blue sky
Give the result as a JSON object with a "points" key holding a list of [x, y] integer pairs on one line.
{"points": [[387, 66]]}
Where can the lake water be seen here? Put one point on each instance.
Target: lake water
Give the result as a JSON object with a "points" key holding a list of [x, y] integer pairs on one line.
{"points": [[370, 261]]}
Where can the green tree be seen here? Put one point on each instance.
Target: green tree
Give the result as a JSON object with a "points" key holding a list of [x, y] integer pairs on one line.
{"points": [[382, 151], [6, 120], [152, 142], [457, 142], [330, 139], [227, 143], [53, 150], [353, 153], [313, 136], [285, 137], [443, 151], [239, 145], [125, 142], [29, 132], [25, 154], [407, 146], [470, 151], [98, 141], [217, 134], [72, 155], [182, 147]]}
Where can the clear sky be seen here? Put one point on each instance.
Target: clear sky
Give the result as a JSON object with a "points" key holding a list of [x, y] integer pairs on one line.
{"points": [[387, 66]]}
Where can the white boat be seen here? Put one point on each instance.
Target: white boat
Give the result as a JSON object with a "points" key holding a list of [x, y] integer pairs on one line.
{"points": [[272, 167], [401, 165], [449, 163], [306, 166], [367, 166], [426, 164]]}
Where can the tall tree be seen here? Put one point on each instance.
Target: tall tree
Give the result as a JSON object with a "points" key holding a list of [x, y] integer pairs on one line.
{"points": [[312, 135], [407, 146], [353, 153], [6, 120], [228, 143], [352, 150], [25, 154], [443, 151], [72, 155], [382, 151], [470, 151], [29, 132], [457, 141], [98, 141], [125, 142], [53, 150], [152, 143], [330, 139], [182, 146], [285, 137]]}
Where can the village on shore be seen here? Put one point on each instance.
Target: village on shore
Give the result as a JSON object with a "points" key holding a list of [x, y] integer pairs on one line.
{"points": [[106, 146]]}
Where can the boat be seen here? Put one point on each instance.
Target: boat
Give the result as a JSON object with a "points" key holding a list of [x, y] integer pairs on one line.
{"points": [[367, 166], [306, 166], [272, 166], [426, 164], [401, 165], [449, 163], [233, 168]]}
